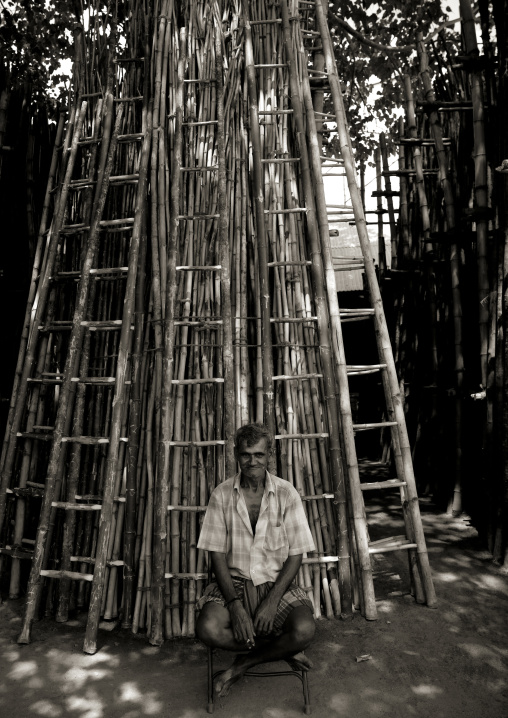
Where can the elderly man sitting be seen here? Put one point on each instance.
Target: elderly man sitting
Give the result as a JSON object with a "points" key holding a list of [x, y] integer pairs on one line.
{"points": [[256, 531]]}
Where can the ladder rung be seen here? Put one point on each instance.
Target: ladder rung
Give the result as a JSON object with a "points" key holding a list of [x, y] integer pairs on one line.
{"points": [[289, 264], [17, 552], [89, 439], [322, 435], [314, 497], [69, 506], [200, 124], [33, 435], [200, 267], [81, 183], [74, 575], [357, 312], [44, 380], [388, 484], [266, 22], [289, 377], [191, 509], [292, 320], [117, 222], [201, 322], [92, 497], [281, 161], [275, 112], [213, 442], [214, 380], [137, 98], [275, 64], [198, 216], [120, 179], [115, 323], [364, 369], [396, 543], [347, 267], [101, 380], [294, 210], [71, 228], [27, 492], [134, 136], [89, 141], [320, 559], [187, 576], [110, 270], [204, 81], [374, 425], [89, 559], [210, 168]]}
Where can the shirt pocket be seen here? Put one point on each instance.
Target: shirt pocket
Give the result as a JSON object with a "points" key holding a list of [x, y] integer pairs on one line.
{"points": [[275, 538]]}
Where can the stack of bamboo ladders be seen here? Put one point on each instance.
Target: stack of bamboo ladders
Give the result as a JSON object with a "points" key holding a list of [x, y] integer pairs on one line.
{"points": [[229, 320]]}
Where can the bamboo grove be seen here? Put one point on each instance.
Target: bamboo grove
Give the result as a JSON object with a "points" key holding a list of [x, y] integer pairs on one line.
{"points": [[447, 282]]}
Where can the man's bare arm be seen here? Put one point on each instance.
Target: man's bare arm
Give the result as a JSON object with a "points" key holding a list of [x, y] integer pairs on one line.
{"points": [[241, 622], [267, 609]]}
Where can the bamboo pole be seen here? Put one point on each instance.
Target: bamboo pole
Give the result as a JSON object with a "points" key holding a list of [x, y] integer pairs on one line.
{"points": [[455, 505]]}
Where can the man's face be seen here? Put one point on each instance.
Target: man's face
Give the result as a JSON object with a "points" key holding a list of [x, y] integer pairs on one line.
{"points": [[253, 459]]}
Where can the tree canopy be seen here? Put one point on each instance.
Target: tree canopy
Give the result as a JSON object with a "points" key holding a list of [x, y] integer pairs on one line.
{"points": [[375, 43]]}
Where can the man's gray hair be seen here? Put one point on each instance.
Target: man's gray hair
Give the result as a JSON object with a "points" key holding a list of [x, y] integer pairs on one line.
{"points": [[250, 434]]}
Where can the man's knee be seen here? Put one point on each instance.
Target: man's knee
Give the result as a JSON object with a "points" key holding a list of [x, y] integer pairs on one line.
{"points": [[302, 627], [208, 625]]}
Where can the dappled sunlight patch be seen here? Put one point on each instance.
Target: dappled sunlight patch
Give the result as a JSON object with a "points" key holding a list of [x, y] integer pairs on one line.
{"points": [[340, 702], [88, 705], [129, 692], [11, 656], [424, 690], [485, 654], [497, 583], [22, 670], [386, 606], [82, 660], [46, 708], [446, 576], [150, 650], [280, 713]]}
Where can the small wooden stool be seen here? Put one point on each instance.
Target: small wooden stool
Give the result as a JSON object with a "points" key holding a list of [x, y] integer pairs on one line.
{"points": [[301, 675]]}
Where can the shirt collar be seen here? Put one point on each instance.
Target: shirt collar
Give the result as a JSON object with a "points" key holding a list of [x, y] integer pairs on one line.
{"points": [[269, 483]]}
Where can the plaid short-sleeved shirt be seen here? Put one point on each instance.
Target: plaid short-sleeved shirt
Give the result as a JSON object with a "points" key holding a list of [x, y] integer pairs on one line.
{"points": [[282, 529]]}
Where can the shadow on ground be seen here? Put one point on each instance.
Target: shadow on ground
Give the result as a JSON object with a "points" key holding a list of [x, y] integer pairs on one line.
{"points": [[435, 663]]}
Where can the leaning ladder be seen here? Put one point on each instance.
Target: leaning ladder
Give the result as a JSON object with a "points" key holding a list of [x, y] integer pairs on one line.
{"points": [[414, 541], [98, 181]]}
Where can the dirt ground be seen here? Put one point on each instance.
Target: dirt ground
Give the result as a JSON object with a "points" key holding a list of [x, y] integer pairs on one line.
{"points": [[431, 663]]}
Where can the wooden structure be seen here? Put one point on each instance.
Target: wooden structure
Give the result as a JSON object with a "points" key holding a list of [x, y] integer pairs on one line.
{"points": [[183, 286]]}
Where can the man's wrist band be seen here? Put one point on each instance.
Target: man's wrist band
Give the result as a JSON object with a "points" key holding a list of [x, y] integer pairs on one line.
{"points": [[228, 603]]}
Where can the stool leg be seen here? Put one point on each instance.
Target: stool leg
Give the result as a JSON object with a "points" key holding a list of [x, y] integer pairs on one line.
{"points": [[306, 695], [210, 707]]}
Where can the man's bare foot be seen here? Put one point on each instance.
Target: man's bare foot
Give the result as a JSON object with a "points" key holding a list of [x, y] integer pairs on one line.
{"points": [[300, 662], [229, 677]]}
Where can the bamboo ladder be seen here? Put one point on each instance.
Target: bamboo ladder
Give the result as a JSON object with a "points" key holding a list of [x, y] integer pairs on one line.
{"points": [[167, 576], [91, 196], [414, 540], [277, 213]]}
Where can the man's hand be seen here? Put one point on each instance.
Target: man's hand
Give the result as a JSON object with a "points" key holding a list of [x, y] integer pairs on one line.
{"points": [[265, 615], [241, 624]]}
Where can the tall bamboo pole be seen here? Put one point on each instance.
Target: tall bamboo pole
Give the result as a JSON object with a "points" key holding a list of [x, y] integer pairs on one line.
{"points": [[480, 179], [261, 242], [449, 199]]}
